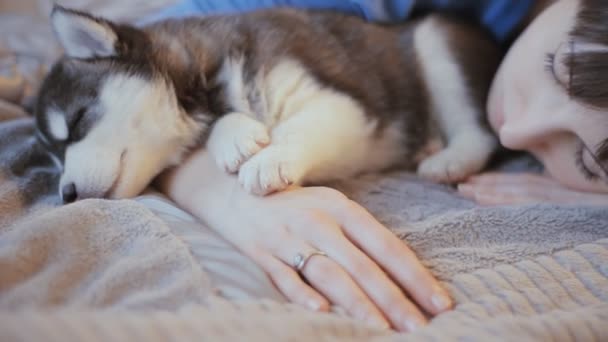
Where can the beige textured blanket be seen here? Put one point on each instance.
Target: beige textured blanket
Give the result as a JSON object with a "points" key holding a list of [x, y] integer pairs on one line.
{"points": [[144, 270]]}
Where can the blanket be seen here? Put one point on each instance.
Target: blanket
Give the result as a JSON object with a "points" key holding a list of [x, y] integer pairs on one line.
{"points": [[140, 269]]}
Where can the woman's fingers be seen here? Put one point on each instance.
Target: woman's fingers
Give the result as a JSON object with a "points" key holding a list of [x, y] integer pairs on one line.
{"points": [[517, 194], [506, 189], [498, 194], [493, 196], [495, 178], [393, 255], [333, 282], [290, 283], [387, 296], [352, 276]]}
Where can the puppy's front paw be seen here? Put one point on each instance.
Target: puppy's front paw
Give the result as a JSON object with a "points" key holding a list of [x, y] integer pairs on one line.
{"points": [[448, 167], [464, 156], [235, 138], [272, 169]]}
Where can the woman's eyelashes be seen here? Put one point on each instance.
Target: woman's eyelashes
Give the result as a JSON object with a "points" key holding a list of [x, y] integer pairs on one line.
{"points": [[580, 164], [550, 67], [557, 64], [590, 170]]}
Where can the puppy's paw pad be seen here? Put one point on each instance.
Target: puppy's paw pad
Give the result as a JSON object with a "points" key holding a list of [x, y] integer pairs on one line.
{"points": [[269, 171]]}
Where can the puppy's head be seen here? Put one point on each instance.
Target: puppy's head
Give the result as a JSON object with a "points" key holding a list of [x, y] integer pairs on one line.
{"points": [[108, 114]]}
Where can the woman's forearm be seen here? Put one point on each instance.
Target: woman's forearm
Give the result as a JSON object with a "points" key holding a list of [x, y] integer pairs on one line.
{"points": [[199, 186]]}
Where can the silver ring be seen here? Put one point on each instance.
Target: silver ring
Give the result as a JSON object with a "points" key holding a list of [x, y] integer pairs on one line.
{"points": [[300, 260]]}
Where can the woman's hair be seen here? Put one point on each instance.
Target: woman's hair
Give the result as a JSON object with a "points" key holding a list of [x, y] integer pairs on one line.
{"points": [[587, 61], [588, 65]]}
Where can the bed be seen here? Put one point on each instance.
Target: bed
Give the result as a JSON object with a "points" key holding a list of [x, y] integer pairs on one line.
{"points": [[143, 269]]}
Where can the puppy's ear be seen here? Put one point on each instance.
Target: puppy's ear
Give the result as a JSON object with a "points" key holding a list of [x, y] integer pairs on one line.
{"points": [[82, 35]]}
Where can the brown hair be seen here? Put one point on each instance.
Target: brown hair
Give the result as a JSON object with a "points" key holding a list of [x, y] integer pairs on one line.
{"points": [[588, 65], [588, 68]]}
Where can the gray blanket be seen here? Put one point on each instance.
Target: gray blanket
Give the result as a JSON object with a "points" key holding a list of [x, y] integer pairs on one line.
{"points": [[143, 269]]}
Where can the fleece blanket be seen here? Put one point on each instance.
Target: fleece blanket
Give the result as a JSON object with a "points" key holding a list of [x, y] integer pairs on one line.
{"points": [[143, 269]]}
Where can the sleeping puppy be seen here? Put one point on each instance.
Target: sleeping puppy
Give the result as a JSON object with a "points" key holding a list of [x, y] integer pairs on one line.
{"points": [[278, 96]]}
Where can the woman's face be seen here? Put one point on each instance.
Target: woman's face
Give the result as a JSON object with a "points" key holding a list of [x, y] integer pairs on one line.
{"points": [[530, 109]]}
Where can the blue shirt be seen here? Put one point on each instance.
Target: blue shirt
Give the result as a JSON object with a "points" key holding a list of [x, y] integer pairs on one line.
{"points": [[501, 17]]}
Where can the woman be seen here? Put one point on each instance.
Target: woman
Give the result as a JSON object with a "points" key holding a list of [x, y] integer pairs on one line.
{"points": [[550, 97], [558, 113]]}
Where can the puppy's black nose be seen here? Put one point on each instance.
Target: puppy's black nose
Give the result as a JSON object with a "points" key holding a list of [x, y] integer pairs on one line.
{"points": [[68, 193]]}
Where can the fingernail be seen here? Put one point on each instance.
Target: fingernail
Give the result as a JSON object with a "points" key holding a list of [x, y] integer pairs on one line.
{"points": [[379, 323], [413, 325], [465, 188], [441, 302]]}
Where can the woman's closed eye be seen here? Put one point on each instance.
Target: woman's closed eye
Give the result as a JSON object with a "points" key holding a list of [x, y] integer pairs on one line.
{"points": [[589, 165]]}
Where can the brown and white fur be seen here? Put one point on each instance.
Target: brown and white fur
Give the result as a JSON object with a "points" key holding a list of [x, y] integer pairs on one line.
{"points": [[278, 96]]}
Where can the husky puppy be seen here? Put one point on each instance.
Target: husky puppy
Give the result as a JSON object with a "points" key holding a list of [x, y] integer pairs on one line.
{"points": [[278, 96]]}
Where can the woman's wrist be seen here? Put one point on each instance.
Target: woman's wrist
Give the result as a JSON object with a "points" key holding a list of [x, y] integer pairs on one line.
{"points": [[199, 186]]}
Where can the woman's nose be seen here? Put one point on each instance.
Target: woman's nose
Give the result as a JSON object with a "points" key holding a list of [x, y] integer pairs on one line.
{"points": [[528, 122]]}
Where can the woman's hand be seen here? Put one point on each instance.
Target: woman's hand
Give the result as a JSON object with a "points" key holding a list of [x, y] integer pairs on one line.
{"points": [[524, 188], [366, 271]]}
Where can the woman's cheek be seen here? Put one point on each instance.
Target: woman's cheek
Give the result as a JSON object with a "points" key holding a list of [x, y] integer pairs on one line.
{"points": [[562, 167]]}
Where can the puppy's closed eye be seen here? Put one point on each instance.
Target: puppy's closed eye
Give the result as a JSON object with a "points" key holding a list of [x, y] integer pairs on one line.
{"points": [[75, 123]]}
